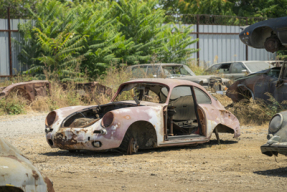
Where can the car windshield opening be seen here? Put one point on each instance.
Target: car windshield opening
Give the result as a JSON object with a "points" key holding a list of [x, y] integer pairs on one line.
{"points": [[178, 70], [151, 92], [258, 66]]}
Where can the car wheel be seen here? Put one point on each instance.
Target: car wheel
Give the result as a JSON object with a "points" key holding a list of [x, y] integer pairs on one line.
{"points": [[129, 144]]}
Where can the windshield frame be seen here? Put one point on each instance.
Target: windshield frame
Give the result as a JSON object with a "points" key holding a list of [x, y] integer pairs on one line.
{"points": [[191, 73], [122, 86]]}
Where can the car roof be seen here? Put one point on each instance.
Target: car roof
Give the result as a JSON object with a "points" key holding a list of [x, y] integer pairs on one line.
{"points": [[165, 64], [253, 61], [166, 81]]}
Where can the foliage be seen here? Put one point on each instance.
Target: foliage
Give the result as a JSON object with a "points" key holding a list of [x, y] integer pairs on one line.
{"points": [[18, 8], [75, 38], [243, 8]]}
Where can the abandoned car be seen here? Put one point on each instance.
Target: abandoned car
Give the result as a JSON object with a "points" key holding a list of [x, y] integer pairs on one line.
{"points": [[269, 34], [237, 69], [144, 113], [277, 137], [256, 85], [177, 71], [18, 174], [31, 89]]}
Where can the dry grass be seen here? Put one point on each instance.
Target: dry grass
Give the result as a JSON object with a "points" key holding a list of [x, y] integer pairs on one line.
{"points": [[252, 112], [248, 112], [193, 65]]}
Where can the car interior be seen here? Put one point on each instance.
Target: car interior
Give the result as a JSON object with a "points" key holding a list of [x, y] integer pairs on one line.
{"points": [[182, 116]]}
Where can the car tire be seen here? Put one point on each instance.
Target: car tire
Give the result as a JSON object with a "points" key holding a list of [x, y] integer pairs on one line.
{"points": [[129, 144]]}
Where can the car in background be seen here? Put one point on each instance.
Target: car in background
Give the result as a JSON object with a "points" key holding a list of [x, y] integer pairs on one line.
{"points": [[177, 71], [144, 113], [257, 84], [237, 69], [18, 174]]}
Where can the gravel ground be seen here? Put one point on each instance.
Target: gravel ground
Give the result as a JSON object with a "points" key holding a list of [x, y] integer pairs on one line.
{"points": [[235, 165]]}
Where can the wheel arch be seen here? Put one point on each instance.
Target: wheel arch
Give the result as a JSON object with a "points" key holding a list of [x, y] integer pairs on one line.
{"points": [[144, 131], [259, 36], [223, 129]]}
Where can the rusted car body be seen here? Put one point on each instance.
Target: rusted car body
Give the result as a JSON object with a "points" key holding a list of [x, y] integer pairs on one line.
{"points": [[17, 174], [144, 113], [269, 34], [277, 137], [90, 88], [257, 84], [29, 90]]}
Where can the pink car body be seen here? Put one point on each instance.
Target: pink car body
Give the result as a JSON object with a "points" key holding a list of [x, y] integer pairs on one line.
{"points": [[132, 125]]}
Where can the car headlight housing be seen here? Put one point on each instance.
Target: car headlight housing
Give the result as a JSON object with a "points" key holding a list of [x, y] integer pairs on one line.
{"points": [[275, 123], [51, 118], [107, 119]]}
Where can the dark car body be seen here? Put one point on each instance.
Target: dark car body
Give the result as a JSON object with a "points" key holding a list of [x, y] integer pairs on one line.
{"points": [[270, 34], [257, 84]]}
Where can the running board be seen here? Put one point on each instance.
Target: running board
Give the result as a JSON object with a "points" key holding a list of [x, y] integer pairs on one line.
{"points": [[184, 139]]}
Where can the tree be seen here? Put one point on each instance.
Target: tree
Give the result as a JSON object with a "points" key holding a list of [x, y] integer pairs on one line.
{"points": [[243, 8], [93, 36]]}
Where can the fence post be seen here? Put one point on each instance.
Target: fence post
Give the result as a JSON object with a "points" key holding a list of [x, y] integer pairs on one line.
{"points": [[246, 46], [197, 36], [9, 40]]}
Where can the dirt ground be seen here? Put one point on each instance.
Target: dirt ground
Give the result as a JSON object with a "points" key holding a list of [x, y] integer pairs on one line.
{"points": [[235, 165]]}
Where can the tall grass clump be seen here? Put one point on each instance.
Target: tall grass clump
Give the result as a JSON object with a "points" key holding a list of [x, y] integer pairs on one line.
{"points": [[13, 105], [249, 111], [197, 69]]}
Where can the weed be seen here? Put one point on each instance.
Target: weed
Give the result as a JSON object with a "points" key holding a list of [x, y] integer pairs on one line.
{"points": [[12, 105]]}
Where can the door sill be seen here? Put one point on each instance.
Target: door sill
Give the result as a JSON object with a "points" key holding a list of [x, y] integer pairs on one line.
{"points": [[184, 139]]}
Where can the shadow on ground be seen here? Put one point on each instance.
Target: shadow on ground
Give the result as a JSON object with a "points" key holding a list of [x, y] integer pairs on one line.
{"points": [[279, 172], [111, 153]]}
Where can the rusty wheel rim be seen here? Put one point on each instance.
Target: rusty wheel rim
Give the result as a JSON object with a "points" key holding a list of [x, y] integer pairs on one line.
{"points": [[133, 146]]}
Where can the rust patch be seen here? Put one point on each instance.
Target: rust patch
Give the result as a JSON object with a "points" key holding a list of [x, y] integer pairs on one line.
{"points": [[63, 142], [35, 175], [49, 184]]}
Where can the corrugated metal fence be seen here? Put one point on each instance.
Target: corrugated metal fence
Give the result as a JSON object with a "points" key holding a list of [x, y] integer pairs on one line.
{"points": [[5, 60], [220, 43], [217, 43]]}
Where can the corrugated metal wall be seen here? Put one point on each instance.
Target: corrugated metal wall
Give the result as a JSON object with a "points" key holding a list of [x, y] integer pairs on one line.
{"points": [[216, 48], [213, 47], [4, 48]]}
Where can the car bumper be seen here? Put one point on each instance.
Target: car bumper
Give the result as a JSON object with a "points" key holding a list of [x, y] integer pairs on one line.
{"points": [[274, 149], [76, 139]]}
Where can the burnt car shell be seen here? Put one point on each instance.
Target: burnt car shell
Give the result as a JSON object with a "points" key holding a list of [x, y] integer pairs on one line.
{"points": [[277, 136], [29, 90], [255, 85], [107, 126], [18, 174]]}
